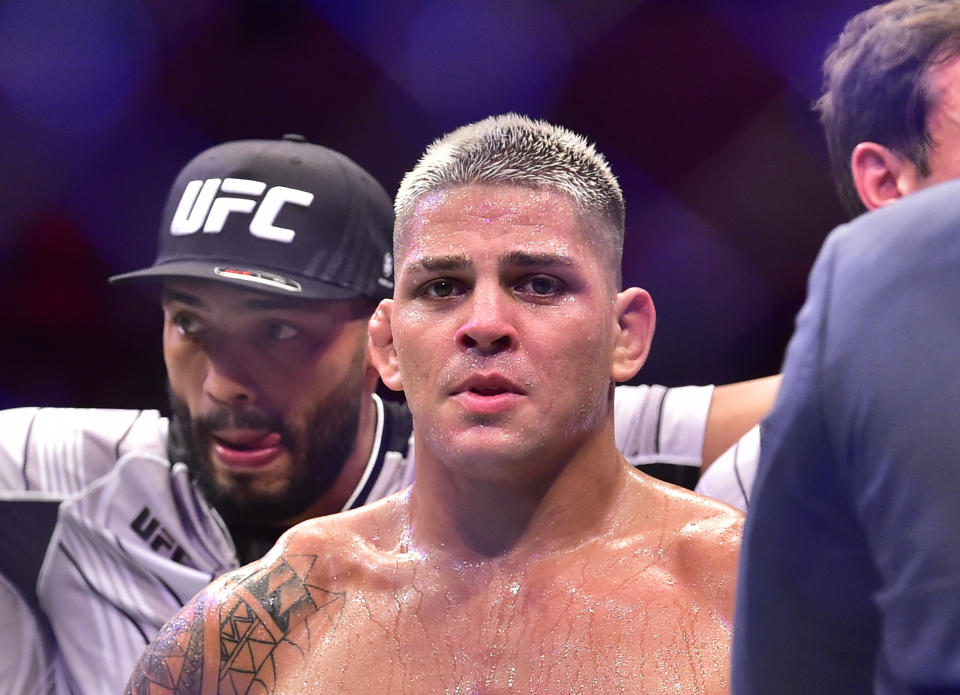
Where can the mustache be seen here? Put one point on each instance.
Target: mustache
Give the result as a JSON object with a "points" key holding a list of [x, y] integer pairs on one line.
{"points": [[509, 367], [248, 419]]}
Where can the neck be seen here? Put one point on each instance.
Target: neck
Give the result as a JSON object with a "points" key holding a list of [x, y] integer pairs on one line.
{"points": [[334, 499], [478, 521]]}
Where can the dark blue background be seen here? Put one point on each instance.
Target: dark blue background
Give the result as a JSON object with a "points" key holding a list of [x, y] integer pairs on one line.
{"points": [[703, 108]]}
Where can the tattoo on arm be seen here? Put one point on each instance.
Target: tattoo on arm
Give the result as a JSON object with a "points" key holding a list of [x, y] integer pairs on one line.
{"points": [[229, 638]]}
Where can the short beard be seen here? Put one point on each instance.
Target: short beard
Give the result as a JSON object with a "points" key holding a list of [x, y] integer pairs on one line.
{"points": [[318, 455]]}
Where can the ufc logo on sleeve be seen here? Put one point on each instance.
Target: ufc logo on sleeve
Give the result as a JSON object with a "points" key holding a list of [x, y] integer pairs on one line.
{"points": [[200, 206]]}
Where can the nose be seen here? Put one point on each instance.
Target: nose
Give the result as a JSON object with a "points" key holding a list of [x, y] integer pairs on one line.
{"points": [[488, 327], [226, 381]]}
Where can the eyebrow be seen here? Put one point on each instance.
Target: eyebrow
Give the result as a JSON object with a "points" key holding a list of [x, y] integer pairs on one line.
{"points": [[170, 295], [250, 304], [513, 258], [540, 260], [437, 263], [279, 304]]}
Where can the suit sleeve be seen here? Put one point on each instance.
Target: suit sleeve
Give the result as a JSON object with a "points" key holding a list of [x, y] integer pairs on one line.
{"points": [[849, 572], [891, 398]]}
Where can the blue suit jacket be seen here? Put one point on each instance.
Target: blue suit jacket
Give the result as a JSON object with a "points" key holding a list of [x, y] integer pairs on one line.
{"points": [[850, 569]]}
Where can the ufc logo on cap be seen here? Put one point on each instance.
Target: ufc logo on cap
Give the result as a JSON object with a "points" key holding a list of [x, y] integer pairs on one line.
{"points": [[200, 206]]}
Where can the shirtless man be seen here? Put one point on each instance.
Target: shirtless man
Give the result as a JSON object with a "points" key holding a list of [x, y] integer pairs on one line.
{"points": [[528, 556]]}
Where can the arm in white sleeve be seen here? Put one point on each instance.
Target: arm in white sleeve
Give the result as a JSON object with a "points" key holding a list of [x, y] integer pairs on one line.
{"points": [[730, 478], [655, 424]]}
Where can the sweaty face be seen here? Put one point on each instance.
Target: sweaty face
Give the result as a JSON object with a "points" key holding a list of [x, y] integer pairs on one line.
{"points": [[503, 325], [267, 392]]}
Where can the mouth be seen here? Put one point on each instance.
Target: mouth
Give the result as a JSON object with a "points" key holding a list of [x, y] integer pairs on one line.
{"points": [[488, 384], [487, 393], [246, 449]]}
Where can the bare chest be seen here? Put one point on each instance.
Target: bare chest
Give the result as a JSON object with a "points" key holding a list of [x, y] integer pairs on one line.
{"points": [[567, 635]]}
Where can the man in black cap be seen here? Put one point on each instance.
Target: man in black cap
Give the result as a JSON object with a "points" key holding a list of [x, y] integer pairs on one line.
{"points": [[272, 255]]}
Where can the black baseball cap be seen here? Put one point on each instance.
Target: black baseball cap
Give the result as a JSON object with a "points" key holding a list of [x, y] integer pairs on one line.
{"points": [[282, 216]]}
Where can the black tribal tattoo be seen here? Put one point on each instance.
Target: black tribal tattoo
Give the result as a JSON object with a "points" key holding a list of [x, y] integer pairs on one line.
{"points": [[255, 616]]}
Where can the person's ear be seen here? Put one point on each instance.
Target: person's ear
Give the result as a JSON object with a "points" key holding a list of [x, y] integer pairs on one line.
{"points": [[383, 353], [636, 319], [881, 175]]}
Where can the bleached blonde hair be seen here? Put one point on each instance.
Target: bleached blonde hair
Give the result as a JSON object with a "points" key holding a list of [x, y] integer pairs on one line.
{"points": [[515, 149]]}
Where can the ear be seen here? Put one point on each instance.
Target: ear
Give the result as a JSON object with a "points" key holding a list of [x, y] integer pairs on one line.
{"points": [[881, 175], [383, 354], [636, 318]]}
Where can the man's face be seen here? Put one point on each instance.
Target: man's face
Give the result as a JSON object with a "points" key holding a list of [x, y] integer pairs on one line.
{"points": [[268, 391], [503, 324]]}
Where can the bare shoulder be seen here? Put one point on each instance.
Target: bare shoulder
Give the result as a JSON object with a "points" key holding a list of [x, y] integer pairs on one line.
{"points": [[702, 542], [360, 537], [254, 623], [704, 520], [708, 543], [705, 529], [240, 629], [690, 513]]}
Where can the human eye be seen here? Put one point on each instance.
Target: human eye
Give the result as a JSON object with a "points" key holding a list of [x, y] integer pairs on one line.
{"points": [[441, 288], [540, 286], [281, 331], [186, 323]]}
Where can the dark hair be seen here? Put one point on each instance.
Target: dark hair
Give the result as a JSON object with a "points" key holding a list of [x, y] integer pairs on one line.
{"points": [[876, 83]]}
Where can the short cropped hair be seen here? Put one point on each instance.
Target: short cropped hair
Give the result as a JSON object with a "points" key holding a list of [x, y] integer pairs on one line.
{"points": [[515, 149], [876, 83]]}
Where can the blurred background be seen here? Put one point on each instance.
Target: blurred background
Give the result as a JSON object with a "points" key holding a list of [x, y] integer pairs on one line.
{"points": [[703, 108]]}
